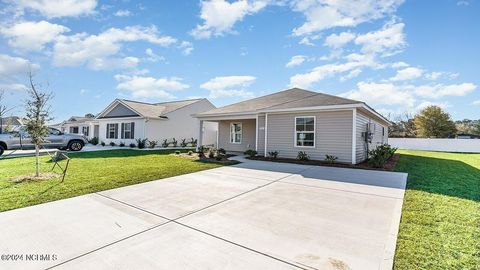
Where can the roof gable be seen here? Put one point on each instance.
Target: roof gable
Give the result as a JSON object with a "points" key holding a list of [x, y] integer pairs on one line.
{"points": [[119, 110], [291, 98]]}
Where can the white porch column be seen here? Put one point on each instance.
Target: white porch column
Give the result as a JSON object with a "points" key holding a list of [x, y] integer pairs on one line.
{"points": [[354, 136], [266, 135], [200, 135]]}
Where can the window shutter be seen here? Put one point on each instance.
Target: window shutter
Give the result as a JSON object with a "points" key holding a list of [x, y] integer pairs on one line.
{"points": [[116, 131], [132, 132], [108, 127], [122, 134]]}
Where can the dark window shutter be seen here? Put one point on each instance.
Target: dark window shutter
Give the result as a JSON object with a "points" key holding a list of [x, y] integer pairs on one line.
{"points": [[122, 134], [116, 131], [108, 127], [132, 128]]}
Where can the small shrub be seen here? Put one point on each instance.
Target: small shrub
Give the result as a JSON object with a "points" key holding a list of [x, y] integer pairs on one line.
{"points": [[132, 145], [121, 144], [102, 143], [219, 156], [93, 141], [193, 142], [273, 154], [141, 143], [177, 152], [302, 155], [211, 153], [165, 143], [174, 142], [183, 143], [190, 153], [330, 158], [201, 151], [379, 156], [152, 144], [250, 153], [221, 151], [113, 144]]}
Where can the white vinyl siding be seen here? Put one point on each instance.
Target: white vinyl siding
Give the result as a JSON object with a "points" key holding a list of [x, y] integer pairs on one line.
{"points": [[380, 135], [333, 135]]}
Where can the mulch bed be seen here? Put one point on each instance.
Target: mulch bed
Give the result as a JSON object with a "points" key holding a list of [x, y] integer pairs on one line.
{"points": [[390, 166]]}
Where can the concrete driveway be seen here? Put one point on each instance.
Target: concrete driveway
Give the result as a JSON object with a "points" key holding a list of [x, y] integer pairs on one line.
{"points": [[255, 215]]}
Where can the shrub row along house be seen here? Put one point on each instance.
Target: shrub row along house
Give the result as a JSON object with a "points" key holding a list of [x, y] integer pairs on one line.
{"points": [[287, 122], [299, 120]]}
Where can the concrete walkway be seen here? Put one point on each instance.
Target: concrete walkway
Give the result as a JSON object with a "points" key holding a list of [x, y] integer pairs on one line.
{"points": [[255, 215]]}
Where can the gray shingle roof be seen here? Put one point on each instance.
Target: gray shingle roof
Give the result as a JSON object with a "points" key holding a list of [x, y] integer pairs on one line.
{"points": [[291, 98], [155, 110]]}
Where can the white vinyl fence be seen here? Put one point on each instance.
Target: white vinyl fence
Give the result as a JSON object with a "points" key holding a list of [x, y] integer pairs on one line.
{"points": [[447, 145]]}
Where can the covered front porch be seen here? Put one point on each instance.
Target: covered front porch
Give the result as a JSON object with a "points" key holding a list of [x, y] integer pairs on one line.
{"points": [[234, 135]]}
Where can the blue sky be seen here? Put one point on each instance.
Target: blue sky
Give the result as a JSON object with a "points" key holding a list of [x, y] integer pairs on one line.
{"points": [[398, 56]]}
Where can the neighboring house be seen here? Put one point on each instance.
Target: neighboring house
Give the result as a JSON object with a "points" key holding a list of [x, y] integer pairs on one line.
{"points": [[85, 125], [10, 122], [126, 120], [299, 120]]}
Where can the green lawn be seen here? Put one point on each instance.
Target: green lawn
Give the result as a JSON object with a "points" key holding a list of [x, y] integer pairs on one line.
{"points": [[440, 227], [90, 172]]}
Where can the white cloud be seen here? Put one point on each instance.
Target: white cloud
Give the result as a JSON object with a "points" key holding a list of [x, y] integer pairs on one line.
{"points": [[476, 102], [80, 49], [306, 41], [296, 60], [113, 63], [463, 3], [150, 87], [354, 62], [219, 16], [11, 67], [387, 41], [325, 14], [229, 86], [409, 73], [187, 47], [153, 57], [425, 104], [339, 40], [57, 8], [352, 74], [435, 75], [441, 90], [399, 65], [14, 69], [122, 13], [32, 36], [382, 94]]}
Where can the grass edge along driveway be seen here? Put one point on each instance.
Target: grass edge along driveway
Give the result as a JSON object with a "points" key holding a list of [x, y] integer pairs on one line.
{"points": [[440, 226], [90, 172]]}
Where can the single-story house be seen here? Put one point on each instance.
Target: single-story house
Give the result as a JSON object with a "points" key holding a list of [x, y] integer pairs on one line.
{"points": [[10, 122], [84, 125], [299, 120], [126, 120]]}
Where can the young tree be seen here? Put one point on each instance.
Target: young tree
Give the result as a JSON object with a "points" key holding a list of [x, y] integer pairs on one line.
{"points": [[37, 115], [434, 122]]}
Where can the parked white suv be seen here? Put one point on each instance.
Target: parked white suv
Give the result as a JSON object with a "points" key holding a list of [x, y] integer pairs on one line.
{"points": [[20, 139]]}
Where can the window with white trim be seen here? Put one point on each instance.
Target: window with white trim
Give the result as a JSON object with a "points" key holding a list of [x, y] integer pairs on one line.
{"points": [[236, 133], [86, 130], [127, 130], [305, 131], [112, 131]]}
